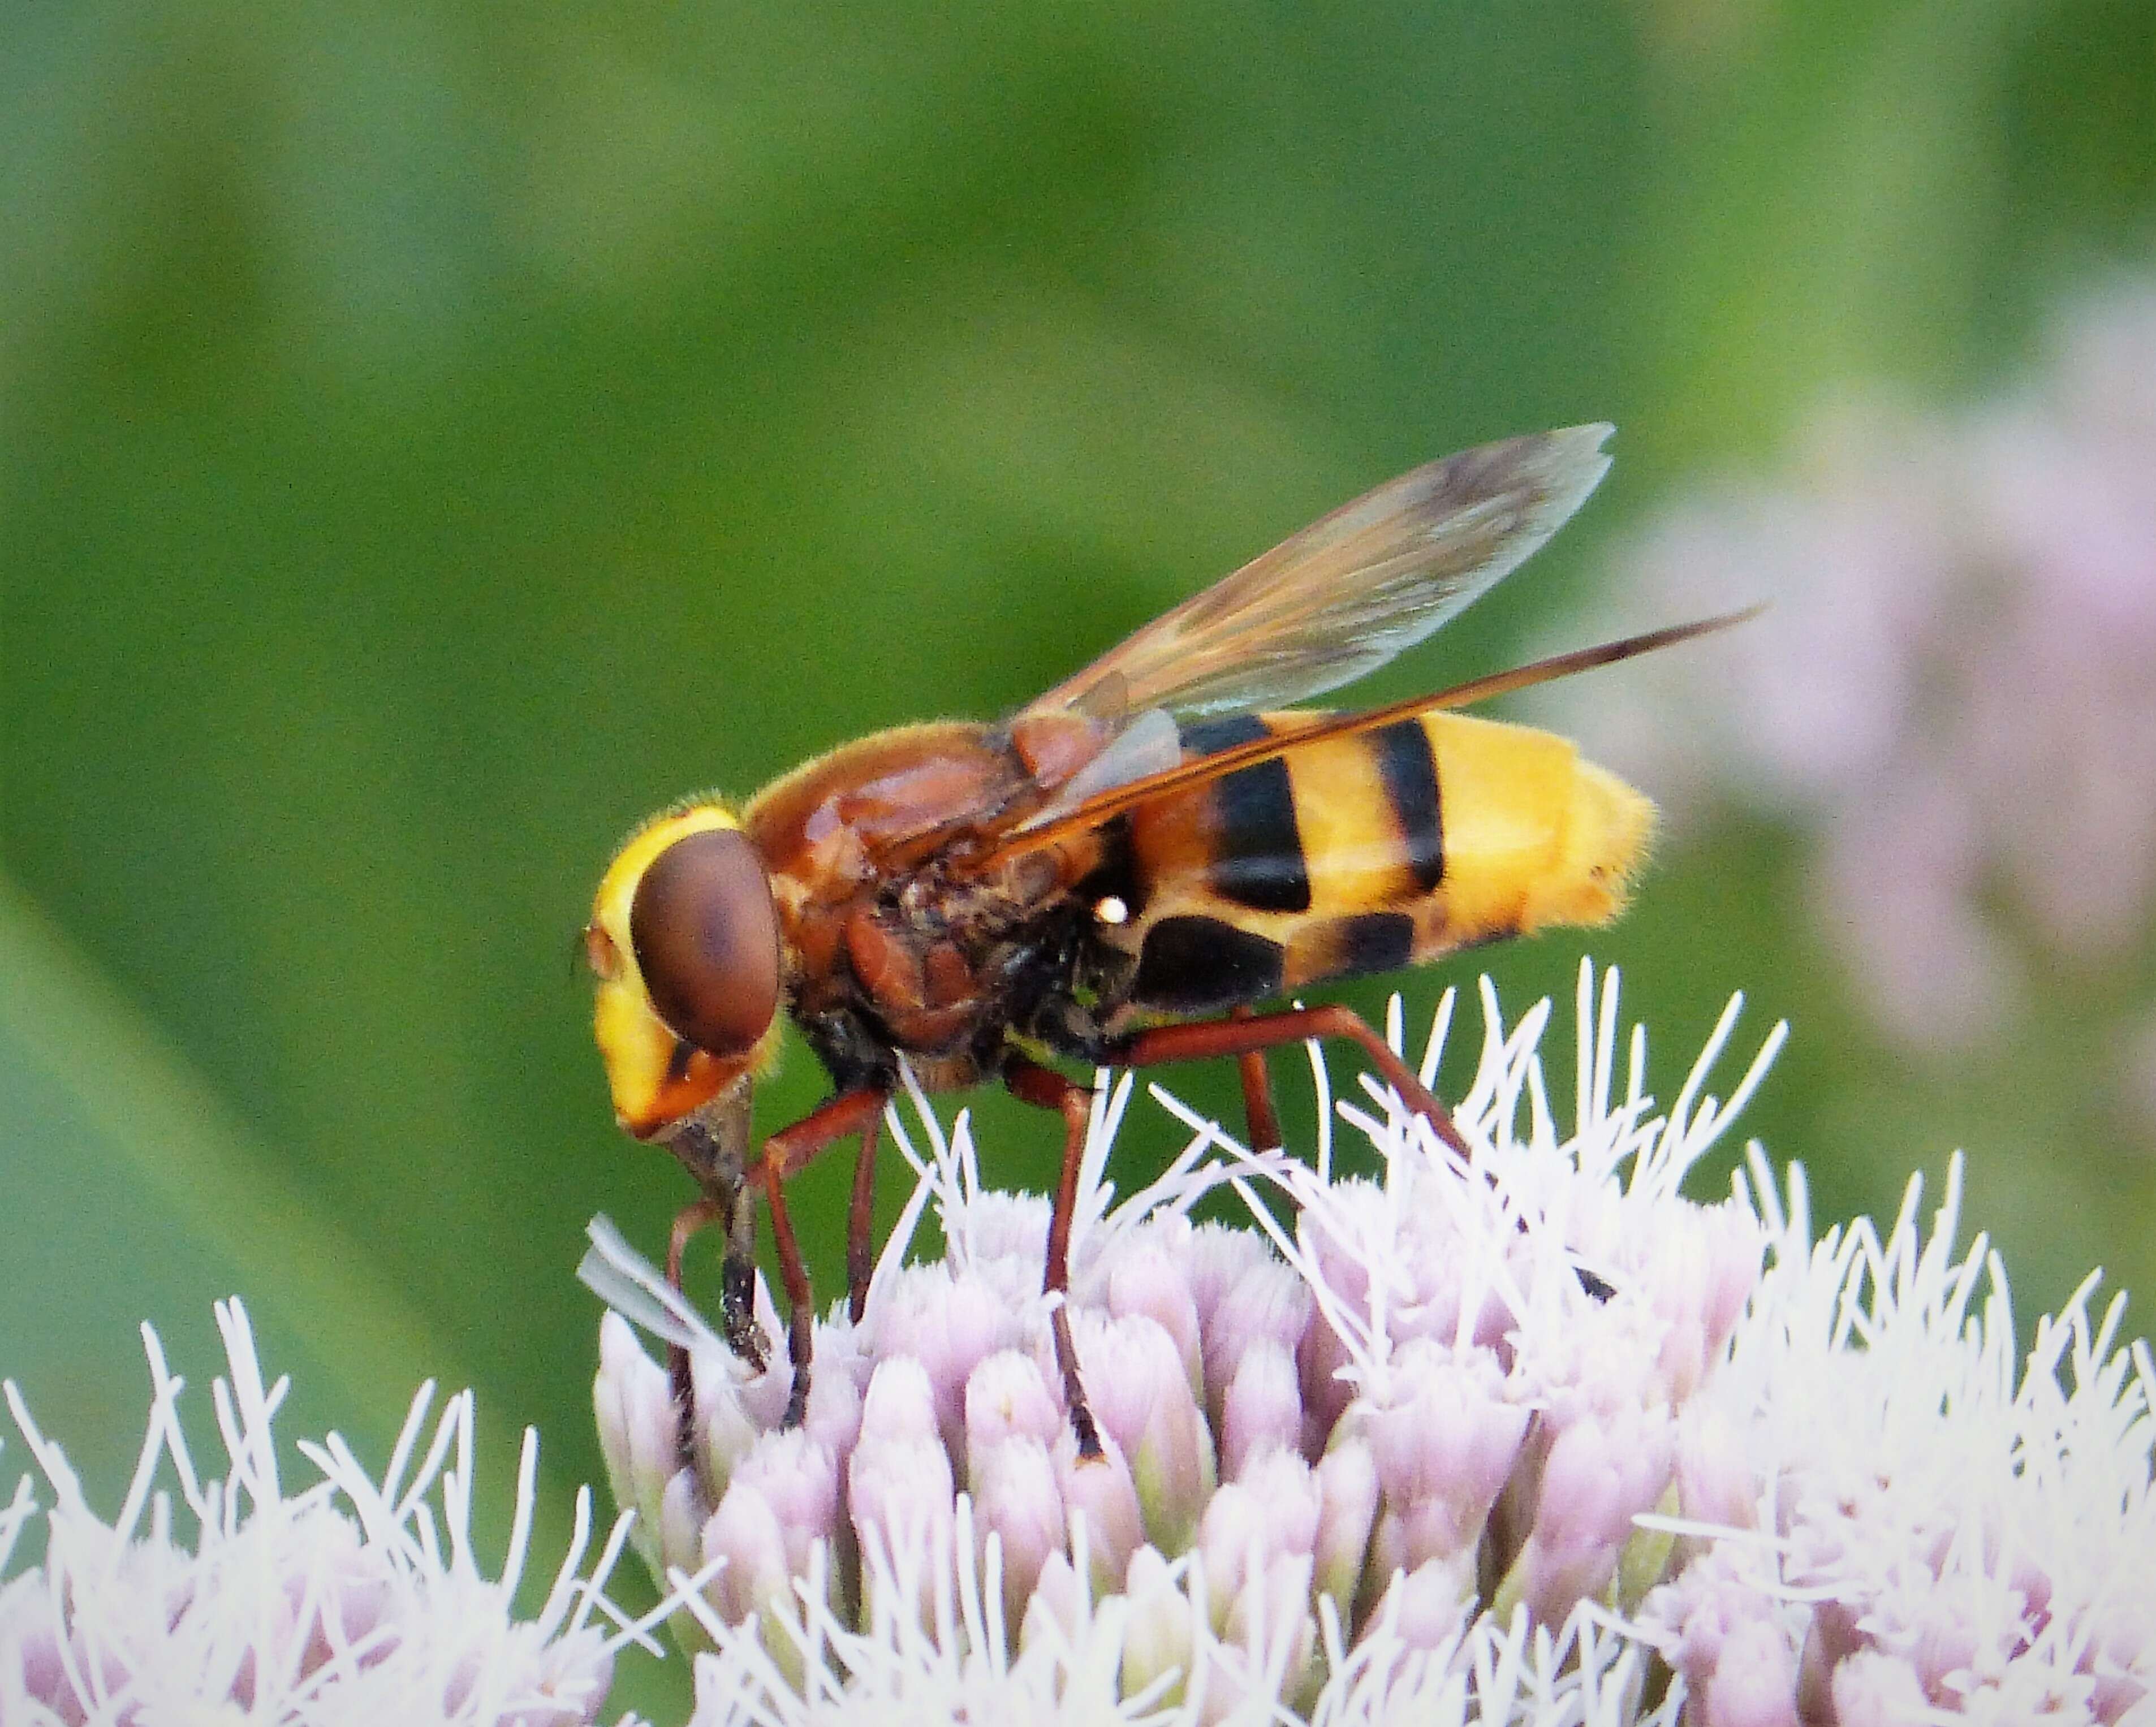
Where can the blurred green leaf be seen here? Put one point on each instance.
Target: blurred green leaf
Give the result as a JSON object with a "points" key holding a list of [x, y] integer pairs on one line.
{"points": [[137, 1196]]}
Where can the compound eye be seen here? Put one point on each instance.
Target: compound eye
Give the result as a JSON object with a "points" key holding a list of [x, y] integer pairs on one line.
{"points": [[706, 939]]}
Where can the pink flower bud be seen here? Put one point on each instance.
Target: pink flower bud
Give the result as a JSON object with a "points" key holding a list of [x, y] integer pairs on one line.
{"points": [[900, 1404], [1945, 1643], [1717, 1483], [1058, 1605], [1351, 1203], [682, 1511], [1147, 1280], [746, 1533], [2123, 1628], [1016, 1498], [1272, 1512], [1705, 1266], [1138, 1364], [1725, 1637], [949, 1320], [1325, 1395], [1268, 1621], [1429, 1604], [637, 1429], [900, 1487], [1263, 1406], [1833, 1636], [1006, 1397], [799, 1479], [1754, 1685], [1268, 1301], [1444, 1446], [1735, 1248], [1159, 1637], [1215, 1259], [1144, 1403], [731, 1409], [1231, 1540], [357, 1594], [1102, 1503], [1347, 1480], [28, 1634], [833, 1419], [1008, 1226], [1597, 1477], [1872, 1688]]}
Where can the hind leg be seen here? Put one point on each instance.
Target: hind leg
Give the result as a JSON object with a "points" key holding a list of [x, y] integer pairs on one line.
{"points": [[1247, 1036]]}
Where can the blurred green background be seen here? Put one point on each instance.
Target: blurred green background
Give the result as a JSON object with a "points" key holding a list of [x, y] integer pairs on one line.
{"points": [[432, 436]]}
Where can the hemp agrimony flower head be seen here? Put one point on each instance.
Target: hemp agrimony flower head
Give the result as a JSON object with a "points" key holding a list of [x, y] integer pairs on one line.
{"points": [[1526, 1437], [348, 1603], [1390, 1456]]}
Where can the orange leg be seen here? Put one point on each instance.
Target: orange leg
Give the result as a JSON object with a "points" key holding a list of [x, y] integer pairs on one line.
{"points": [[736, 1210], [1043, 1087], [738, 1283], [687, 1222], [788, 1149], [1246, 1037], [861, 1222], [1257, 1093]]}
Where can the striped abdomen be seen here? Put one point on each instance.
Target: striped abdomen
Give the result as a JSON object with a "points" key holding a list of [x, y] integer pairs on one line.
{"points": [[1356, 854]]}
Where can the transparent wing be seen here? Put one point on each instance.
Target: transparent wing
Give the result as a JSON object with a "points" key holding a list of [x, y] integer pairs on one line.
{"points": [[1351, 591]]}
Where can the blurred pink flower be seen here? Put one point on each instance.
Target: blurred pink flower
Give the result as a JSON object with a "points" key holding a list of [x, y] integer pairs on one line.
{"points": [[1955, 689]]}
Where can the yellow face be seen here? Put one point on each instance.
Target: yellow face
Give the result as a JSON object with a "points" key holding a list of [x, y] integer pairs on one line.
{"points": [[684, 942]]}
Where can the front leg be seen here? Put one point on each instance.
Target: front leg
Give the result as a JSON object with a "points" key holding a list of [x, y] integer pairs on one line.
{"points": [[712, 1208], [788, 1149]]}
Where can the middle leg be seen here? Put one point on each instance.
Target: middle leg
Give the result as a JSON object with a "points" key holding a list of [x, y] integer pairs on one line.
{"points": [[1046, 1088]]}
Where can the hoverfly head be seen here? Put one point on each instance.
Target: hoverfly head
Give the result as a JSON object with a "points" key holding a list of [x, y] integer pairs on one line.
{"points": [[684, 939]]}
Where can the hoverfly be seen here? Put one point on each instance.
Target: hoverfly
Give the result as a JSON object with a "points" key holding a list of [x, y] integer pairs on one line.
{"points": [[1118, 873]]}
